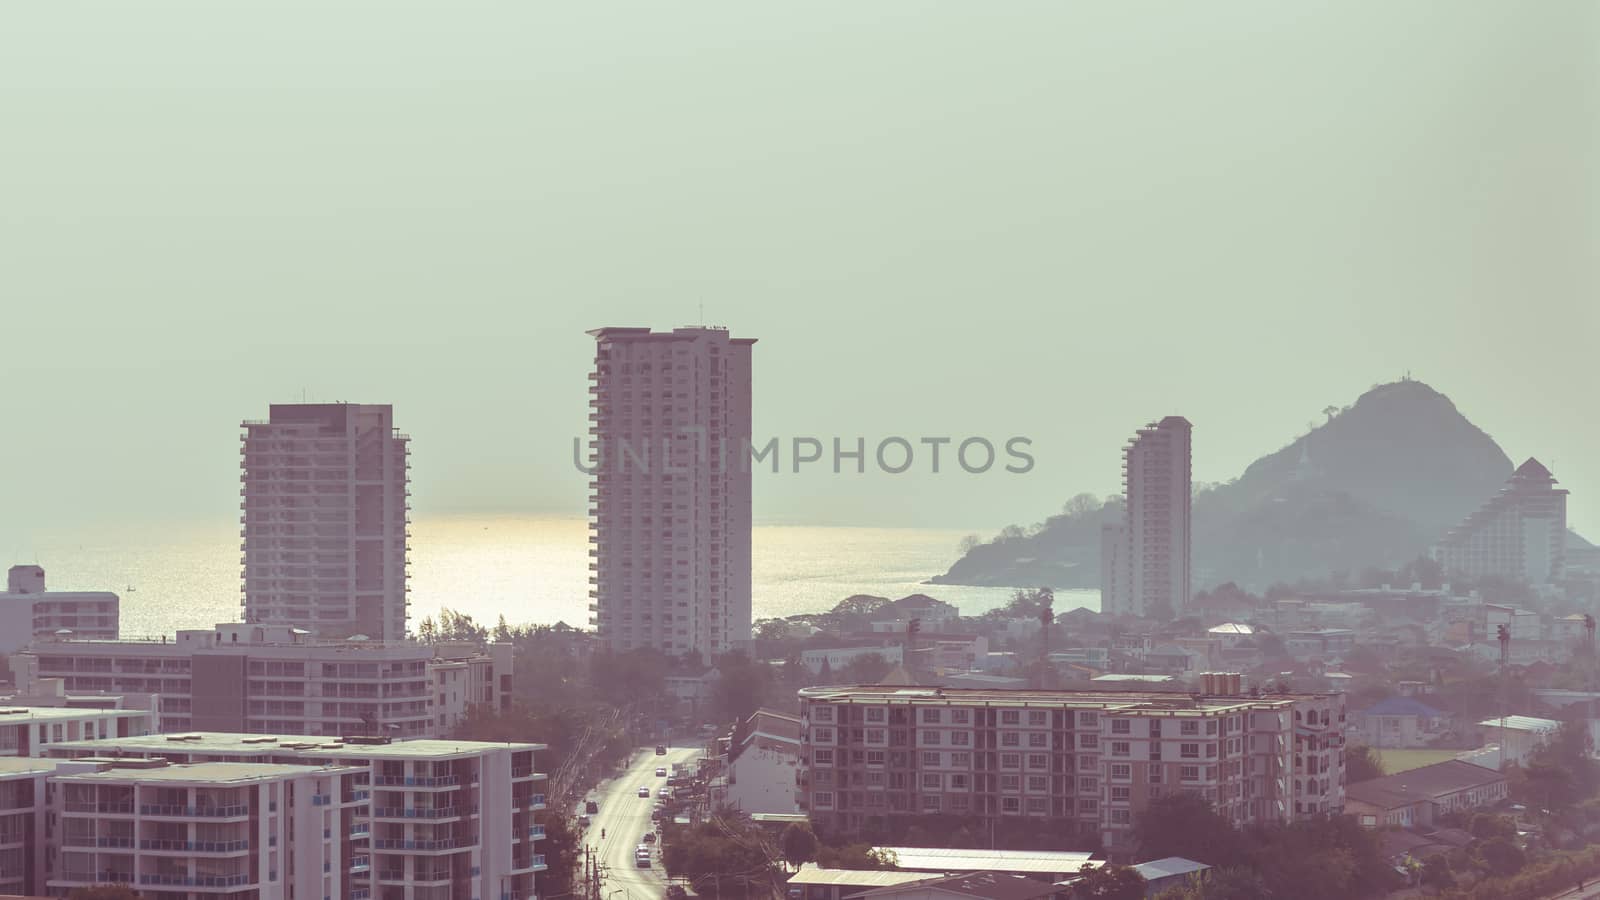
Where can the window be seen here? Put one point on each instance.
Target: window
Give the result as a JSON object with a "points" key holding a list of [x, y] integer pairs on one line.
{"points": [[1088, 805], [824, 757], [960, 803], [1120, 816], [1036, 717], [1119, 748], [1189, 751], [1088, 785], [822, 713], [961, 738], [1211, 726], [823, 735], [1010, 739], [874, 757], [1010, 717], [1089, 741], [1038, 739], [1120, 793], [1038, 761], [1010, 782], [1010, 760], [961, 759], [930, 716], [1189, 773], [1121, 726], [874, 714], [824, 798], [1038, 782], [1188, 726], [1123, 771], [1155, 774], [1086, 763], [932, 780], [1211, 748], [930, 802], [874, 735], [1037, 805], [1010, 804], [961, 716], [958, 782], [1088, 720], [930, 759]]}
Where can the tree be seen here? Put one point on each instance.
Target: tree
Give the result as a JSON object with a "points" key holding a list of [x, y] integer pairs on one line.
{"points": [[1436, 872], [1233, 883], [1501, 856], [867, 669], [1108, 883], [1184, 824], [1361, 763], [969, 543], [799, 844], [1081, 505], [855, 856]]}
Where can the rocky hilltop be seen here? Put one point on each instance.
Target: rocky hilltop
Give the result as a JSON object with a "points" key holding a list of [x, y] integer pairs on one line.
{"points": [[1374, 485]]}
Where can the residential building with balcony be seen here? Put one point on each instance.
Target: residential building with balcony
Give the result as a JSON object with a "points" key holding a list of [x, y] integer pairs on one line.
{"points": [[1148, 557], [429, 819], [324, 502], [276, 679], [669, 554], [1520, 533], [28, 611], [23, 816], [176, 832], [1086, 761], [27, 730]]}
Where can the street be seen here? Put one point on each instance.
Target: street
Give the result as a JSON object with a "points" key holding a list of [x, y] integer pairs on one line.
{"points": [[625, 818]]}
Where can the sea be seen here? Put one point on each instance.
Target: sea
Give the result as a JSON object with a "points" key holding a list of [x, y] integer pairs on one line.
{"points": [[532, 570]]}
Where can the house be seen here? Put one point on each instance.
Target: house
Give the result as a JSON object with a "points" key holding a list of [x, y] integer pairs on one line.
{"points": [[839, 657], [763, 760], [1419, 796], [1519, 736], [1400, 722], [1052, 865], [1171, 872], [813, 882], [1327, 643]]}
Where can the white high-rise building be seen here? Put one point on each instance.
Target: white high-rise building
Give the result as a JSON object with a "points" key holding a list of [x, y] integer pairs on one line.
{"points": [[324, 522], [670, 446], [1521, 533], [28, 611], [1151, 558]]}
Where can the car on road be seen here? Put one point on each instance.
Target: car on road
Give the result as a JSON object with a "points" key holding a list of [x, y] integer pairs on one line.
{"points": [[661, 749], [644, 791], [661, 771], [664, 794], [583, 821], [591, 807], [641, 857], [649, 837]]}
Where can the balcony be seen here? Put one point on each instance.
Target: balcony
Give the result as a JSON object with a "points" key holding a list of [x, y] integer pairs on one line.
{"points": [[419, 812], [536, 833], [194, 812], [360, 864], [195, 846], [195, 880], [415, 781]]}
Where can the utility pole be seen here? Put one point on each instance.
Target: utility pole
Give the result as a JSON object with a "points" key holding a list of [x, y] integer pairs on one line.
{"points": [[1505, 680]]}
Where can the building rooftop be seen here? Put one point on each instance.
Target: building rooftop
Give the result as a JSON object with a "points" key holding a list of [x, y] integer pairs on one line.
{"points": [[11, 715], [217, 773], [978, 885], [1402, 706], [23, 765], [1425, 783], [960, 859], [811, 874], [1173, 702], [1523, 723], [1169, 867], [300, 745]]}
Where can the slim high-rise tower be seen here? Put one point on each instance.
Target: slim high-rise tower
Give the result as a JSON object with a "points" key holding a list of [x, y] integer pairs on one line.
{"points": [[1151, 553], [324, 524], [669, 554]]}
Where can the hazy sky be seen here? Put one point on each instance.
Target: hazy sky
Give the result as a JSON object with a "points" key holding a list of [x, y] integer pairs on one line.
{"points": [[1052, 219]]}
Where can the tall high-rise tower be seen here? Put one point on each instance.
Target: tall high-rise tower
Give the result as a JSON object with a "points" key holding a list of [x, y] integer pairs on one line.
{"points": [[1521, 533], [1150, 553], [670, 532], [324, 523]]}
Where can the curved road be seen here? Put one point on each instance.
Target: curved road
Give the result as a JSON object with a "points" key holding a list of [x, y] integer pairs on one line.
{"points": [[625, 817]]}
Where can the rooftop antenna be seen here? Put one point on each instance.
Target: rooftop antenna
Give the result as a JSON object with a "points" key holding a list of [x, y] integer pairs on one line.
{"points": [[702, 312]]}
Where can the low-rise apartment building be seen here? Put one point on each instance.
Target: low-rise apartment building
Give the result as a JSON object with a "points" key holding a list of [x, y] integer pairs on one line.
{"points": [[279, 679], [1418, 797], [26, 731], [174, 832], [430, 819], [1083, 760], [29, 611], [22, 824]]}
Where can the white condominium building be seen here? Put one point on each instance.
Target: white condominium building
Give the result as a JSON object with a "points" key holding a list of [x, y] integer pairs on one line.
{"points": [[325, 519], [1520, 533], [29, 611], [27, 730], [278, 679], [430, 819], [1085, 761], [1146, 562], [670, 449], [179, 832]]}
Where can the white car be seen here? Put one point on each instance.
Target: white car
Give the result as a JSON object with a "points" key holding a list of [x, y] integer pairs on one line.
{"points": [[644, 791], [661, 772]]}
